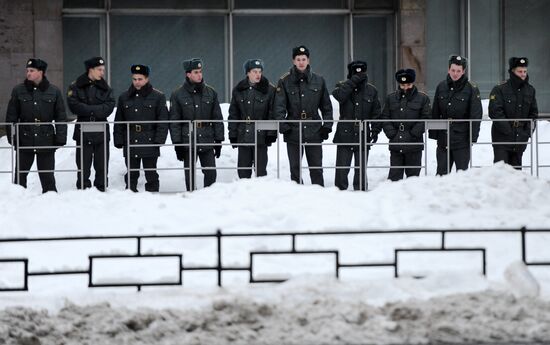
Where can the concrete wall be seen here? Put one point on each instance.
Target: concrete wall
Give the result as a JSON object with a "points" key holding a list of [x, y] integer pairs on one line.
{"points": [[29, 29]]}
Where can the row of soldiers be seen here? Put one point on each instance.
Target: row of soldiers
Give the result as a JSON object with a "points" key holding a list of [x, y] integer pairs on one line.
{"points": [[300, 94]]}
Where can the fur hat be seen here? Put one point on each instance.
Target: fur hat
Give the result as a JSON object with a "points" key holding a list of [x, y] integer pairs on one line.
{"points": [[94, 62], [191, 64], [356, 66], [140, 69], [517, 62], [300, 50], [405, 76], [39, 64], [458, 60], [253, 63]]}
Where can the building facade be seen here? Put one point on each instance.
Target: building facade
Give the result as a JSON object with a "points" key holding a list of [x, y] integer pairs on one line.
{"points": [[389, 34]]}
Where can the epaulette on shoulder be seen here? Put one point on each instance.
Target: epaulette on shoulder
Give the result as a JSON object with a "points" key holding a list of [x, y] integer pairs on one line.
{"points": [[502, 82], [273, 86], [422, 92], [472, 84], [210, 87], [157, 90], [373, 86], [285, 75]]}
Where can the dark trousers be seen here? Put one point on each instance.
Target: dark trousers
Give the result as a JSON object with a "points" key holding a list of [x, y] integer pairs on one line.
{"points": [[459, 157], [314, 156], [513, 158], [247, 156], [44, 161], [151, 176], [207, 160], [344, 154], [404, 159], [93, 153]]}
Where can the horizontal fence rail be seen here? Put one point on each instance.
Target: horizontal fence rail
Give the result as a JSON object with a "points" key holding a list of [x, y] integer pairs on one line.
{"points": [[218, 253], [190, 128]]}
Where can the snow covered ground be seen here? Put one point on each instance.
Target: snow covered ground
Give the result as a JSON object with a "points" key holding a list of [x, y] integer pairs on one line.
{"points": [[454, 303]]}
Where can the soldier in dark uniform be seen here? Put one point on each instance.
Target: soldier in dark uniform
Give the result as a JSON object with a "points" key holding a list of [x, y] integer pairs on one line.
{"points": [[91, 99], [252, 99], [358, 101], [198, 102], [141, 102], [513, 99], [406, 103], [36, 100], [300, 95], [456, 98]]}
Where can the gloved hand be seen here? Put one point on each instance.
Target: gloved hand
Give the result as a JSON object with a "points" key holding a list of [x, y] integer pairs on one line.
{"points": [[325, 132], [373, 137], [119, 146], [179, 152], [233, 141], [270, 138], [217, 150], [358, 78]]}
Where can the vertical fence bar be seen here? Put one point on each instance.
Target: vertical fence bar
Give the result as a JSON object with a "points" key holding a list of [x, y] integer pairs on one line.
{"points": [[219, 248]]}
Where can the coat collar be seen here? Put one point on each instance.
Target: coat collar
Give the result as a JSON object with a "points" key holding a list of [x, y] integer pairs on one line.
{"points": [[262, 85], [84, 81], [297, 75], [143, 92], [43, 86]]}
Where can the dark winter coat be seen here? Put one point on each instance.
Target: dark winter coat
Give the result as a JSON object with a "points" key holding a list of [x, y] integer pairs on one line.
{"points": [[513, 99], [406, 106], [37, 104], [198, 103], [250, 102], [300, 97], [90, 101], [457, 100], [146, 104], [357, 102]]}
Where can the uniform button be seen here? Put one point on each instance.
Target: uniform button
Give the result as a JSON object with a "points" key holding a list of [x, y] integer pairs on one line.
{"points": [[136, 140], [194, 91], [35, 103], [136, 156], [35, 88], [452, 89], [355, 89], [400, 137], [356, 103], [449, 103], [36, 135], [250, 87], [247, 131], [248, 102], [520, 105], [401, 109], [305, 126], [196, 105], [400, 150], [135, 110], [301, 80], [200, 135], [137, 95], [302, 95]]}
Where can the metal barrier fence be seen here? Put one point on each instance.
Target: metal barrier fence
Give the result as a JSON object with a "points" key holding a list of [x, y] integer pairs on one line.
{"points": [[218, 253], [272, 125]]}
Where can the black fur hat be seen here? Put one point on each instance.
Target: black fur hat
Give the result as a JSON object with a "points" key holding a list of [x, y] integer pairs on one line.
{"points": [[94, 62], [517, 62], [405, 76], [458, 60], [39, 64], [191, 64], [140, 69], [253, 63], [356, 66], [300, 50]]}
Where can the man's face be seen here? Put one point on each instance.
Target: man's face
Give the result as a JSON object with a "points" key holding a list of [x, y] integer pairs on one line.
{"points": [[406, 86], [139, 80], [96, 73], [301, 62], [456, 72], [521, 72], [195, 75], [254, 75], [34, 75]]}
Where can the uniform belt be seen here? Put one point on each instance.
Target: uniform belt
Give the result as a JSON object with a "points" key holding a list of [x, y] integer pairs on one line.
{"points": [[200, 124], [401, 127], [516, 124], [139, 127]]}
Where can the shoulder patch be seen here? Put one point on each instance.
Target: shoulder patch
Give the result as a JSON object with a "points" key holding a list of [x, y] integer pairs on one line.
{"points": [[70, 93], [492, 97], [285, 75]]}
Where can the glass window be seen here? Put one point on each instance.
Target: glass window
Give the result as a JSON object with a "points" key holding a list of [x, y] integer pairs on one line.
{"points": [[83, 4], [526, 34], [81, 41], [442, 39], [163, 43], [373, 42], [375, 4], [170, 4], [272, 38], [485, 47], [290, 4]]}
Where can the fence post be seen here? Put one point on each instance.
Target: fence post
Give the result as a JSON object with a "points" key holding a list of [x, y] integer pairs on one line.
{"points": [[219, 247]]}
